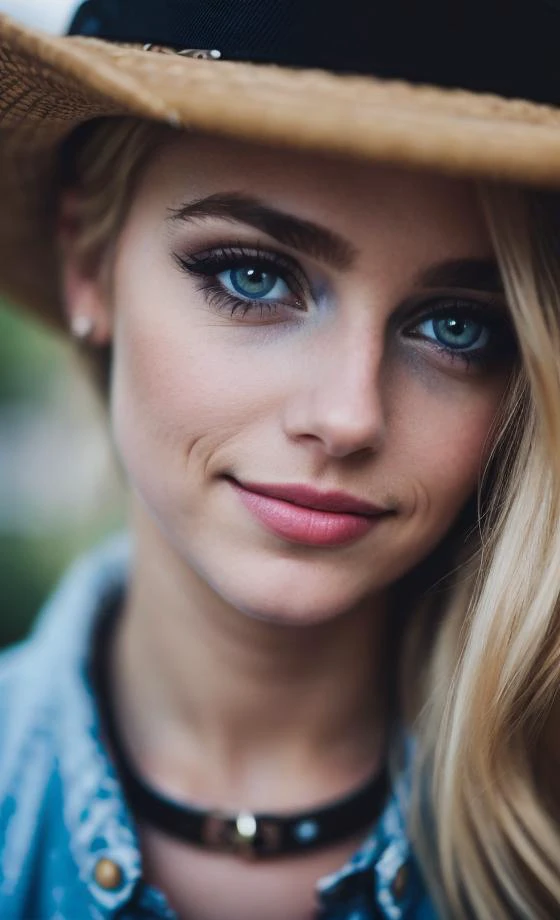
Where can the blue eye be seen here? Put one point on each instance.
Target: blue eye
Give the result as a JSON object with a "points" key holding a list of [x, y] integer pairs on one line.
{"points": [[254, 283], [456, 332]]}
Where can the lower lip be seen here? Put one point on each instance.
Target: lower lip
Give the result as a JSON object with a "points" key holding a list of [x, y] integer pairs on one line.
{"points": [[305, 525]]}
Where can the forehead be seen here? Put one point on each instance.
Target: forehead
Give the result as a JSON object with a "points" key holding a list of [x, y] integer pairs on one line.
{"points": [[369, 203]]}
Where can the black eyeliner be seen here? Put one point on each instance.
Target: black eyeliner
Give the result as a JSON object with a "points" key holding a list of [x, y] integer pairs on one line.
{"points": [[223, 257], [491, 314], [207, 264]]}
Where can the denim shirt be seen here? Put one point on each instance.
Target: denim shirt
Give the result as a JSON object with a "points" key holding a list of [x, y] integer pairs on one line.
{"points": [[62, 809]]}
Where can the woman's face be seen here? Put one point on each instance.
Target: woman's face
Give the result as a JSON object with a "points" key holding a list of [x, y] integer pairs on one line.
{"points": [[279, 320]]}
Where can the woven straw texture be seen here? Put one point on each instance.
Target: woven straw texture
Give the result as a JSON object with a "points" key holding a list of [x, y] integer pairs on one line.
{"points": [[48, 86]]}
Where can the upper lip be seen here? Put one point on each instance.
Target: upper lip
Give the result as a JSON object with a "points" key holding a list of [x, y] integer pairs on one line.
{"points": [[308, 497]]}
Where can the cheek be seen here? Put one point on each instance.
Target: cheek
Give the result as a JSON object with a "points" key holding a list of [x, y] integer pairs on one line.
{"points": [[166, 397], [182, 391], [156, 412], [444, 439]]}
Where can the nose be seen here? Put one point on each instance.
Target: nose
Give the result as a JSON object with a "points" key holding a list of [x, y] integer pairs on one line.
{"points": [[337, 401]]}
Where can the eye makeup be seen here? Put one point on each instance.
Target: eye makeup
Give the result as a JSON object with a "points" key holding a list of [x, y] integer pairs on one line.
{"points": [[478, 333], [255, 284], [211, 267]]}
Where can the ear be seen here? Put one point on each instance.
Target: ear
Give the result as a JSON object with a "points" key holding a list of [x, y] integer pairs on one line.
{"points": [[86, 292]]}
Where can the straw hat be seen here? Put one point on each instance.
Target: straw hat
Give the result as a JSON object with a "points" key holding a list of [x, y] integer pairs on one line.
{"points": [[469, 88]]}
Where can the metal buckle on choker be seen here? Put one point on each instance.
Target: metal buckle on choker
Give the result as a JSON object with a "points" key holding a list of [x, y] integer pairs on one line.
{"points": [[203, 54], [245, 835]]}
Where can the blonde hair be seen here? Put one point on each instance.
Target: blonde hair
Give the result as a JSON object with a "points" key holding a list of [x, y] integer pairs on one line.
{"points": [[485, 738], [482, 811], [102, 161]]}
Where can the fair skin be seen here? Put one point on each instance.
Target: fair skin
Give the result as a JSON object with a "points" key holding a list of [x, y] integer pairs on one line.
{"points": [[248, 666]]}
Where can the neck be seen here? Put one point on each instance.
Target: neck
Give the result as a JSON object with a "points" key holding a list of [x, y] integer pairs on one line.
{"points": [[220, 707]]}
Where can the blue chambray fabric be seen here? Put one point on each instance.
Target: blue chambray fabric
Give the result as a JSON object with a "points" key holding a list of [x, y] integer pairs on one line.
{"points": [[61, 806]]}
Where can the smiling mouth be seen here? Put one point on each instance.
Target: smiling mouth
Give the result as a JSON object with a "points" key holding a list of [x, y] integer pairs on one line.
{"points": [[302, 514]]}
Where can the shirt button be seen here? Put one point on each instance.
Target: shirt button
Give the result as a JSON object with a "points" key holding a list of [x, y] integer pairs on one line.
{"points": [[108, 874], [400, 881]]}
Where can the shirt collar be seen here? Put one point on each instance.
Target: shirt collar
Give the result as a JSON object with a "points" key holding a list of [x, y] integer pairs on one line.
{"points": [[383, 870], [94, 812]]}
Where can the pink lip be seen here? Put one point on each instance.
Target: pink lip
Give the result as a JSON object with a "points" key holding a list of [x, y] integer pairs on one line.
{"points": [[302, 514]]}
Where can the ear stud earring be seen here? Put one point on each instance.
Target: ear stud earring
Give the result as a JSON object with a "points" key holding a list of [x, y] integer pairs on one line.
{"points": [[82, 327]]}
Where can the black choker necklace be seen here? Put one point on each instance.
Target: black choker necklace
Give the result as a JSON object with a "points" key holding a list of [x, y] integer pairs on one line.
{"points": [[252, 836]]}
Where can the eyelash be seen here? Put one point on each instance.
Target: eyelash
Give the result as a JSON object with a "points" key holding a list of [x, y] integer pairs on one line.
{"points": [[208, 265], [490, 315]]}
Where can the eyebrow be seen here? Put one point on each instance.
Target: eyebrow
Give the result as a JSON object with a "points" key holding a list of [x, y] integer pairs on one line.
{"points": [[310, 238], [469, 274], [324, 244]]}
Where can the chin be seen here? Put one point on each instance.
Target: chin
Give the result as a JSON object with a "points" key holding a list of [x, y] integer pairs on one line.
{"points": [[305, 600], [293, 616]]}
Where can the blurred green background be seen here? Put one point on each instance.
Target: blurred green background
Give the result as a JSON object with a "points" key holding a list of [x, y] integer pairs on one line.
{"points": [[60, 491]]}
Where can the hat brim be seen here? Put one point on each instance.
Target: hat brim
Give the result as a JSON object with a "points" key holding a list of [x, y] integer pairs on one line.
{"points": [[50, 85]]}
